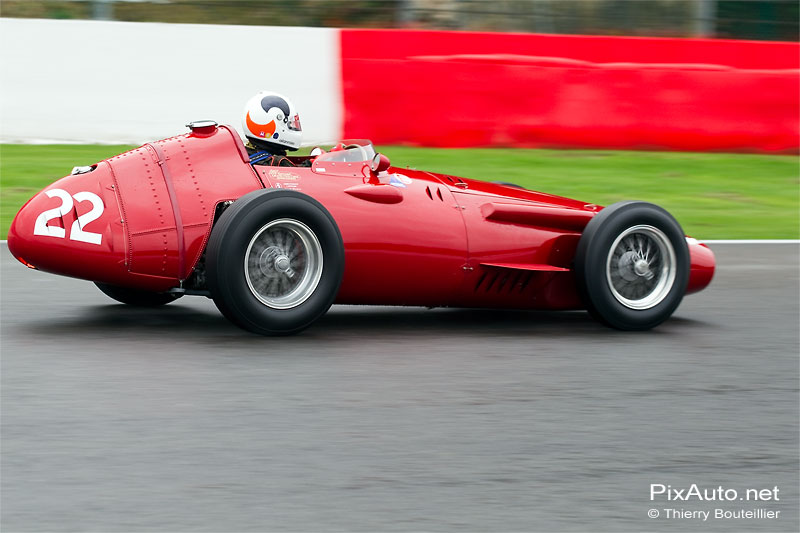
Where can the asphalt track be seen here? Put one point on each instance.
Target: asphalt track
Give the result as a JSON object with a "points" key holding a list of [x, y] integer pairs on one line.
{"points": [[383, 419]]}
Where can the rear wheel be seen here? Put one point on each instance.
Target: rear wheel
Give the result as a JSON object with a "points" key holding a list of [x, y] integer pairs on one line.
{"points": [[137, 297], [275, 260], [632, 265]]}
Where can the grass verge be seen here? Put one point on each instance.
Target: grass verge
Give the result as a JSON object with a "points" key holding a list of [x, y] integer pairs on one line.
{"points": [[713, 196]]}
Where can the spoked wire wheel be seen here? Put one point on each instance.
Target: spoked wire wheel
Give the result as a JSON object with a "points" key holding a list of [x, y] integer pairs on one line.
{"points": [[283, 263], [632, 265], [265, 264], [641, 266]]}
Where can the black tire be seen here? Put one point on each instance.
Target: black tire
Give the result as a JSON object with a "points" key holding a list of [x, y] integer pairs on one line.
{"points": [[632, 265], [137, 297], [266, 228], [509, 184]]}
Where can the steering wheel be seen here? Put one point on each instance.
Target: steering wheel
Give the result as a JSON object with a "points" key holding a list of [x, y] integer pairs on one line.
{"points": [[364, 156]]}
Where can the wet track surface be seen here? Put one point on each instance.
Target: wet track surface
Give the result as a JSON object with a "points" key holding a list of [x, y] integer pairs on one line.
{"points": [[383, 419]]}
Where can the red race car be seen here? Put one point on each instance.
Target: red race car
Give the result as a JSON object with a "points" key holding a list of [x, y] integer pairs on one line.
{"points": [[276, 246]]}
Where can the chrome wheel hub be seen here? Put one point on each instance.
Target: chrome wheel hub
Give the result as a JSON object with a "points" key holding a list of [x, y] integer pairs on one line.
{"points": [[283, 263], [273, 260], [641, 267]]}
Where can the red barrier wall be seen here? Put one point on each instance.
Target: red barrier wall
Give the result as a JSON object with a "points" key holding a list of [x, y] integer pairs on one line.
{"points": [[477, 89]]}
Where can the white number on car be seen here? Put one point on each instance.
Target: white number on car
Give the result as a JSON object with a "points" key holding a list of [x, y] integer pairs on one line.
{"points": [[77, 232]]}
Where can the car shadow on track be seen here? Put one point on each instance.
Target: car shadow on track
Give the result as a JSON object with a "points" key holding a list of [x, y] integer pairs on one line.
{"points": [[175, 321]]}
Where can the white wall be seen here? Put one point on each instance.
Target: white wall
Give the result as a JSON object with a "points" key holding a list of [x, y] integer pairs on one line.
{"points": [[131, 82]]}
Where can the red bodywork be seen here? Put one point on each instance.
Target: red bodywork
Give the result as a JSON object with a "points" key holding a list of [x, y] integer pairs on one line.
{"points": [[410, 237]]}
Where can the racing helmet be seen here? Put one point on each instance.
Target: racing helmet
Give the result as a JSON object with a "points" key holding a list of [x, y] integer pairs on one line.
{"points": [[271, 121]]}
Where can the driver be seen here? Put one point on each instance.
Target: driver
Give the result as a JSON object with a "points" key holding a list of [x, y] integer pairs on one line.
{"points": [[272, 126]]}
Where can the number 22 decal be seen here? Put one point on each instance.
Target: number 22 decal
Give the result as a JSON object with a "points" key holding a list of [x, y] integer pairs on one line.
{"points": [[77, 232]]}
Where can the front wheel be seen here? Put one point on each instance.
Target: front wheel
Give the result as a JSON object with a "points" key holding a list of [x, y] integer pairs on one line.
{"points": [[509, 184], [632, 265], [275, 260], [137, 297]]}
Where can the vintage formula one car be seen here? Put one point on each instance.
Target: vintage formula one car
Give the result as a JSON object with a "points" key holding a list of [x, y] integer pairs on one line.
{"points": [[275, 247]]}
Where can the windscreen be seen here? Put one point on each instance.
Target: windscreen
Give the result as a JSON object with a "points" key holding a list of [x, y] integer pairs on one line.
{"points": [[352, 153]]}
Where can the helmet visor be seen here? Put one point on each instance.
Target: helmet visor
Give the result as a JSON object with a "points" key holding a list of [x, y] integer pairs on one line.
{"points": [[294, 123]]}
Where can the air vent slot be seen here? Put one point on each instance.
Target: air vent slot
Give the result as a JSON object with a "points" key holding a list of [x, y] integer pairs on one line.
{"points": [[439, 194], [428, 190], [499, 281], [503, 280], [524, 285]]}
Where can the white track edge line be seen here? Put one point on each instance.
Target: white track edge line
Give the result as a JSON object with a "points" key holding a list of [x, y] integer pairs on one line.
{"points": [[751, 241]]}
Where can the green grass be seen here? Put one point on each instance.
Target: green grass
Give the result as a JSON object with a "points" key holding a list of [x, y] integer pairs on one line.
{"points": [[27, 169], [713, 196]]}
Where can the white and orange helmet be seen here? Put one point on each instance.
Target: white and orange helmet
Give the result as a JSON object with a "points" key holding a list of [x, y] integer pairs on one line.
{"points": [[272, 119]]}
